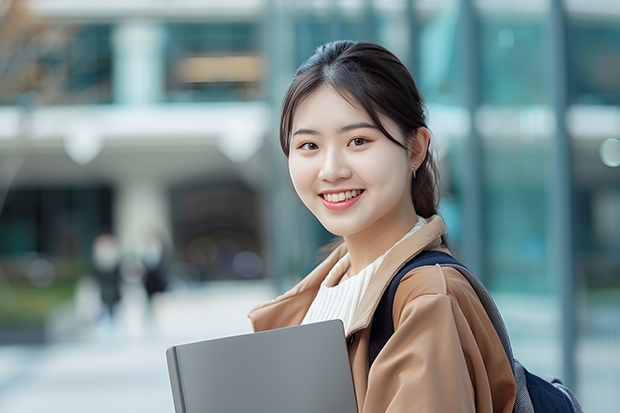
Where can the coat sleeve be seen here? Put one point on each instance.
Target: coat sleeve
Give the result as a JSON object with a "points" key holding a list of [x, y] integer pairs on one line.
{"points": [[423, 367]]}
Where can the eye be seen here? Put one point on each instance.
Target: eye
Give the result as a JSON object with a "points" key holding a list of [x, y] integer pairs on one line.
{"points": [[357, 141], [309, 146]]}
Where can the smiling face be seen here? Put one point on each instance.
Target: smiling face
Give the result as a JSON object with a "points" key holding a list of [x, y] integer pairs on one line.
{"points": [[349, 174]]}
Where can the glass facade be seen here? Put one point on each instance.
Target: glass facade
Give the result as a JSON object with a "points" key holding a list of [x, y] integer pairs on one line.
{"points": [[45, 246], [53, 222], [89, 71], [516, 203], [440, 56], [196, 55], [313, 31], [61, 64], [594, 62], [516, 172], [512, 60]]}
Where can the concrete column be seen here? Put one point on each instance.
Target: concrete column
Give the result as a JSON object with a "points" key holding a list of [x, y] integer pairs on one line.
{"points": [[474, 223], [413, 57], [561, 215], [291, 230], [368, 18], [140, 207], [138, 62], [280, 204]]}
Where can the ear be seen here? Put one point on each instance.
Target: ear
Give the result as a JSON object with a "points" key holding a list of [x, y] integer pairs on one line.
{"points": [[418, 146]]}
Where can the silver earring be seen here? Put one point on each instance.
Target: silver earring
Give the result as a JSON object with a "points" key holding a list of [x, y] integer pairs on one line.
{"points": [[413, 169]]}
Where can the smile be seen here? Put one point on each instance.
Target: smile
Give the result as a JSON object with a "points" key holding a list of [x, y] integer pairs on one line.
{"points": [[342, 196]]}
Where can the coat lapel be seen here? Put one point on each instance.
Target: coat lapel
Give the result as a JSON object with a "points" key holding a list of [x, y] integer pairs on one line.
{"points": [[290, 308], [427, 237]]}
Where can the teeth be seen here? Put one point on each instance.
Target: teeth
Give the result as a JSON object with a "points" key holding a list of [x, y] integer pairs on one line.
{"points": [[341, 196]]}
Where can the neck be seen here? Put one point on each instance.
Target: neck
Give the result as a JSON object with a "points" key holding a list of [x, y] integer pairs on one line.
{"points": [[367, 246]]}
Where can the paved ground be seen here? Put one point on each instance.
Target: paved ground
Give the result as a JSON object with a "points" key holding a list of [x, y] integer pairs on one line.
{"points": [[120, 367]]}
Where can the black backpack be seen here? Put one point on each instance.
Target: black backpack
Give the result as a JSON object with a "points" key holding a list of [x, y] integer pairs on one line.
{"points": [[535, 394]]}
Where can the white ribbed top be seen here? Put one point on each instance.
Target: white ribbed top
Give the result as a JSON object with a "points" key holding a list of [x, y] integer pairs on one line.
{"points": [[339, 300]]}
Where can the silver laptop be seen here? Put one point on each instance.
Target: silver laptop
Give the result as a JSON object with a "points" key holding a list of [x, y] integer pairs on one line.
{"points": [[302, 369]]}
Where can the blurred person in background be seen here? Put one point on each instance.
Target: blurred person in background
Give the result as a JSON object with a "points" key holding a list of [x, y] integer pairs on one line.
{"points": [[153, 254], [353, 127], [106, 260]]}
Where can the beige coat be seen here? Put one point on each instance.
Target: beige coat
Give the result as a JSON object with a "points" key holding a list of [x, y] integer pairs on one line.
{"points": [[444, 356]]}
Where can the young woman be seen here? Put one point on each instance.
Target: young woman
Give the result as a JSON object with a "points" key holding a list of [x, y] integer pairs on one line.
{"points": [[354, 130]]}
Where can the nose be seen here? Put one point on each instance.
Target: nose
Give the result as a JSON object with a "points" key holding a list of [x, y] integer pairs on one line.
{"points": [[334, 166]]}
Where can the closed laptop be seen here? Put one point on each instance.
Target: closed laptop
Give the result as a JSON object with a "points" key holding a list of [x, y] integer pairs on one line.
{"points": [[301, 369]]}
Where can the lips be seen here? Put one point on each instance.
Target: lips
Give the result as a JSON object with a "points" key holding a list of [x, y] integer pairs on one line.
{"points": [[340, 201]]}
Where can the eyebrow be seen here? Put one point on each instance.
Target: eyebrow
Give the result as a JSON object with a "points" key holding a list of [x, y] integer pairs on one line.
{"points": [[346, 128], [356, 125], [306, 132]]}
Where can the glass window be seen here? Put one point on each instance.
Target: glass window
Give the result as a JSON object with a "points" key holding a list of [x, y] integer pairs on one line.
{"points": [[512, 61], [594, 62], [89, 72], [517, 216], [45, 245], [440, 68], [598, 240], [56, 223], [71, 65], [313, 31], [213, 62], [516, 212]]}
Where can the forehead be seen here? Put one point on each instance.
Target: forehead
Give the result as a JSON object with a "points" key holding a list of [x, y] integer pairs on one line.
{"points": [[325, 109], [325, 103]]}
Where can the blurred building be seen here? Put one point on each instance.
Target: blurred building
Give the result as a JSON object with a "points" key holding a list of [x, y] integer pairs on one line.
{"points": [[159, 117], [133, 119]]}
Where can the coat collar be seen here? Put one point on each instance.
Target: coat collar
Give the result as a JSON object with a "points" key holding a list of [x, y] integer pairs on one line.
{"points": [[428, 237]]}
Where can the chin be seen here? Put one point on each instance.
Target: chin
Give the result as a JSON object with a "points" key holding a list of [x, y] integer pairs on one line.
{"points": [[340, 229]]}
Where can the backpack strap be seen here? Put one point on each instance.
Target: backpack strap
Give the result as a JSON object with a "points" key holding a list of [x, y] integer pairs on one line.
{"points": [[383, 323]]}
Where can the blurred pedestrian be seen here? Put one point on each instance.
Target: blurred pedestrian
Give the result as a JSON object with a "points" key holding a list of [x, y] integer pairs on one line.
{"points": [[152, 252], [106, 261]]}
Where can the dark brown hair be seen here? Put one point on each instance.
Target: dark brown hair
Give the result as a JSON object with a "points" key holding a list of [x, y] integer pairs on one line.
{"points": [[373, 77]]}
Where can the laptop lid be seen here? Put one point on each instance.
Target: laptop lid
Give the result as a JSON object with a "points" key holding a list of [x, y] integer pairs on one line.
{"points": [[302, 369]]}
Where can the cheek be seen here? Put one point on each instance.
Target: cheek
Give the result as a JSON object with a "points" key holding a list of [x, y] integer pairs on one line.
{"points": [[301, 175], [386, 167]]}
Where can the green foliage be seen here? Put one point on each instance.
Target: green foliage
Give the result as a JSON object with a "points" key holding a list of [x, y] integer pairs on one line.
{"points": [[26, 304]]}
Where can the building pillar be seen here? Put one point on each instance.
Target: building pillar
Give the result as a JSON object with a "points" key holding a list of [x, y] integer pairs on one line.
{"points": [[280, 209], [369, 19], [474, 223], [561, 206], [413, 25], [138, 47], [141, 207]]}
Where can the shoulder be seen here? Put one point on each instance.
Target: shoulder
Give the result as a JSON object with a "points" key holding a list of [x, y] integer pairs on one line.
{"points": [[434, 279], [431, 282]]}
